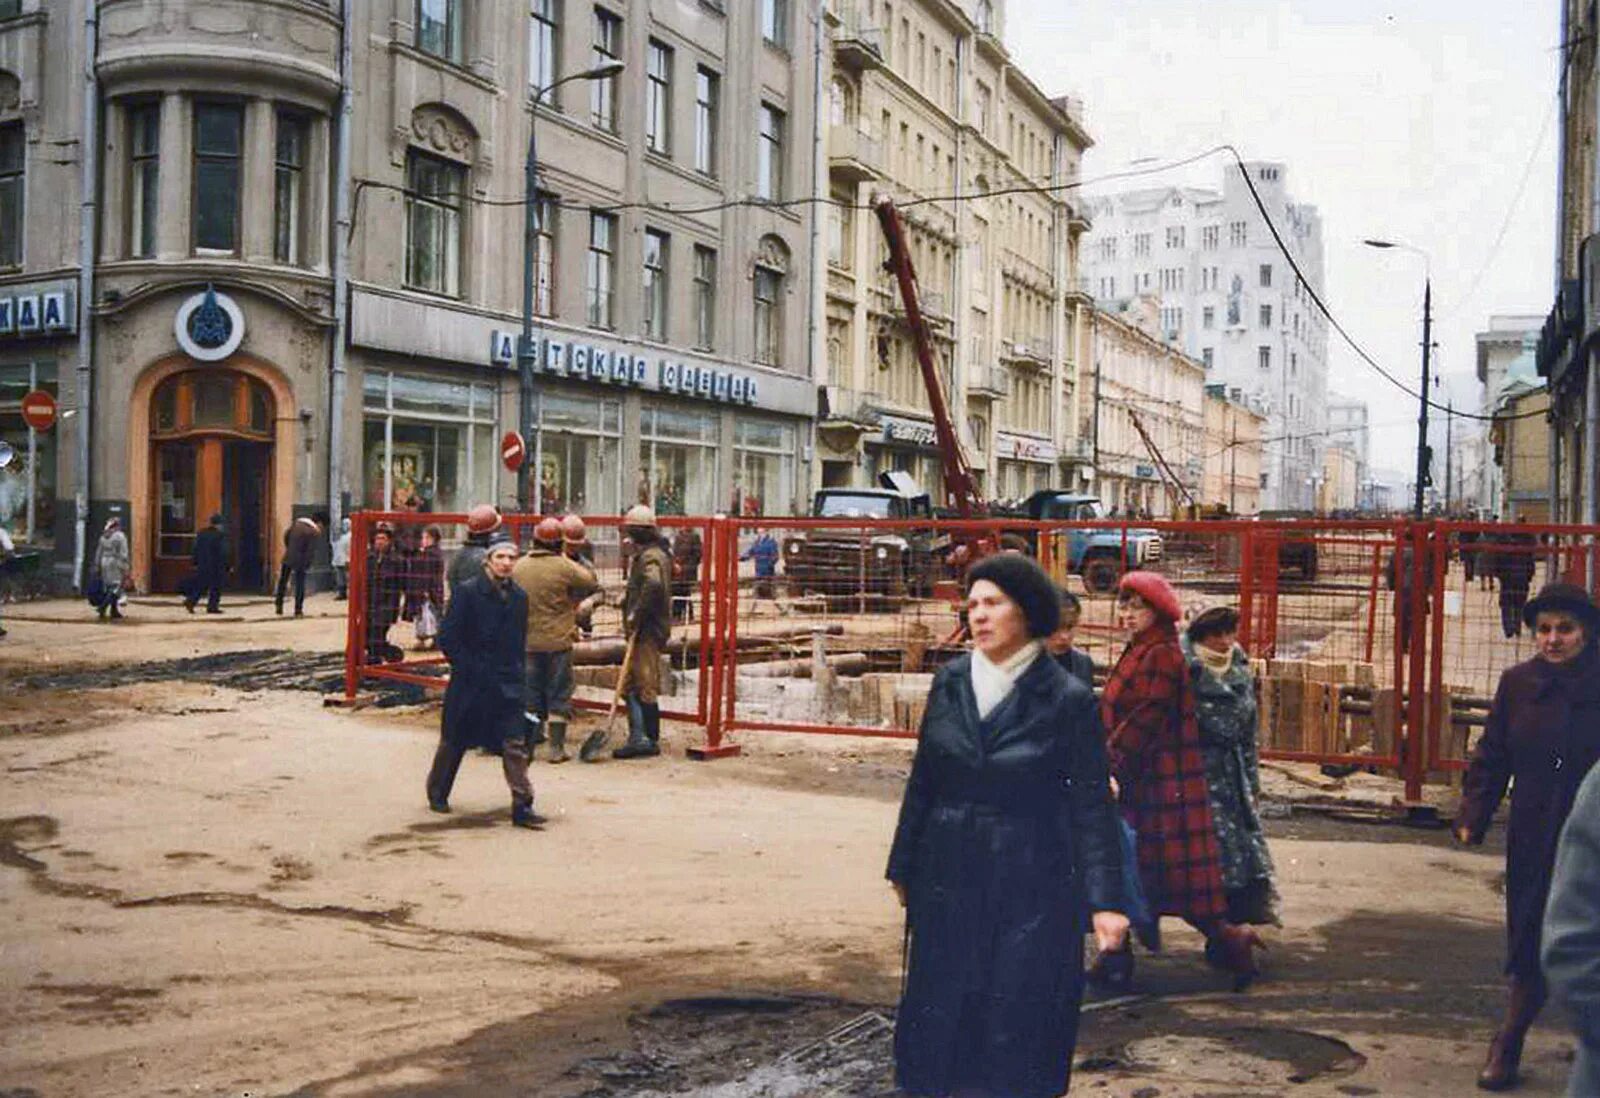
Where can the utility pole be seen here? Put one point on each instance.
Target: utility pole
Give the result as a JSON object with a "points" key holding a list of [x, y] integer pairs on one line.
{"points": [[1422, 401], [1449, 451], [1095, 433], [1233, 468]]}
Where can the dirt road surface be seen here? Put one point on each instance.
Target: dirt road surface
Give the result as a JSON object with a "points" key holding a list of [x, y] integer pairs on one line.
{"points": [[208, 890]]}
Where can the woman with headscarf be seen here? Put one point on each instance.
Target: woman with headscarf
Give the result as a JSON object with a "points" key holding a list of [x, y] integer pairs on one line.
{"points": [[1541, 739], [111, 564], [1225, 707], [1159, 774], [1007, 841]]}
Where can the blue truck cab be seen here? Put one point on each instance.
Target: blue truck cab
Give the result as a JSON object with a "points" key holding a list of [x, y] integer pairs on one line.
{"points": [[1099, 554]]}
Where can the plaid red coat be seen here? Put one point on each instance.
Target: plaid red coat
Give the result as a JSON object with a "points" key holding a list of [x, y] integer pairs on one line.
{"points": [[1153, 741]]}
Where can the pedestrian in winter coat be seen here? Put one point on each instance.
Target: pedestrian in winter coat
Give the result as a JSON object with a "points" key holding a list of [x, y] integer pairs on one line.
{"points": [[7, 547], [1542, 737], [1225, 708], [687, 552], [1572, 933], [483, 635], [555, 586], [210, 567], [1514, 564], [111, 563], [299, 547], [341, 559], [1007, 841], [467, 564], [386, 586], [764, 551], [1074, 661], [647, 621], [1157, 767], [425, 585]]}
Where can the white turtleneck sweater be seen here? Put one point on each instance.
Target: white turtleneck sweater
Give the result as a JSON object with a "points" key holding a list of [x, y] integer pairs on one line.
{"points": [[991, 682]]}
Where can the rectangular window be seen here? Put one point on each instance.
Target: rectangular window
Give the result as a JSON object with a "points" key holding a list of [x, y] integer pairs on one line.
{"points": [[1208, 317], [769, 167], [1210, 237], [763, 473], [1264, 357], [1266, 275], [218, 135], [428, 440], [1238, 234], [28, 489], [602, 269], [707, 92], [705, 296], [542, 49], [775, 22], [768, 285], [1208, 356], [607, 48], [841, 232], [544, 254], [655, 285], [435, 189], [439, 28], [1266, 316], [658, 98], [578, 454], [678, 459], [1175, 236], [1141, 244], [144, 178], [288, 193]]}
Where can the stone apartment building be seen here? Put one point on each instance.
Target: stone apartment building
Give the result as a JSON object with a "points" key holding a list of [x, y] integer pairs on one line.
{"points": [[925, 103], [1229, 298], [218, 353], [1232, 461]]}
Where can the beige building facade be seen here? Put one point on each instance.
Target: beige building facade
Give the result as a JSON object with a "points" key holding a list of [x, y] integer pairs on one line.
{"points": [[925, 104], [1233, 454], [672, 351], [1520, 437], [1339, 488]]}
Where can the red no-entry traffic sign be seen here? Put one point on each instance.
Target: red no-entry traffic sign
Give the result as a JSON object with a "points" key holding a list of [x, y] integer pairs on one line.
{"points": [[39, 410], [513, 451]]}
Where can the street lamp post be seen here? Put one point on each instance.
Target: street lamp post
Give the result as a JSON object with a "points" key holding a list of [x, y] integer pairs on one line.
{"points": [[530, 238], [1423, 454]]}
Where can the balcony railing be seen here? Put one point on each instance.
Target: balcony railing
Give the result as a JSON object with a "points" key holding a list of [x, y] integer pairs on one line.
{"points": [[854, 154], [858, 43], [1034, 349], [836, 404], [990, 380]]}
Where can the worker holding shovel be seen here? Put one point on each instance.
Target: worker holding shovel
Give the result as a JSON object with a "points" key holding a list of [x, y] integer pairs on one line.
{"points": [[647, 621]]}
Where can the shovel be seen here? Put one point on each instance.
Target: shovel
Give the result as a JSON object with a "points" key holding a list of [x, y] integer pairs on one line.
{"points": [[598, 739]]}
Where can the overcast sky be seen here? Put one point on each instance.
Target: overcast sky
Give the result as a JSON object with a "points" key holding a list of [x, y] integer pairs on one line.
{"points": [[1410, 120]]}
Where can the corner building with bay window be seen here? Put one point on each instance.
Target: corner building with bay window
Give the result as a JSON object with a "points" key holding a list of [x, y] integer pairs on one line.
{"points": [[210, 354]]}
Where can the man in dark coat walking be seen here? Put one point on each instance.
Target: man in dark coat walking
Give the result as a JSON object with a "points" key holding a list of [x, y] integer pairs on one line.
{"points": [[299, 545], [210, 564], [483, 634], [1514, 565]]}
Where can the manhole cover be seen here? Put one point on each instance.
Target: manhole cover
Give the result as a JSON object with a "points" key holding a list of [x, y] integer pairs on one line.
{"points": [[1243, 1056]]}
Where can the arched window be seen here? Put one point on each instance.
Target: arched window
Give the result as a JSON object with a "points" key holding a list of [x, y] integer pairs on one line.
{"points": [[985, 17], [220, 401], [771, 272]]}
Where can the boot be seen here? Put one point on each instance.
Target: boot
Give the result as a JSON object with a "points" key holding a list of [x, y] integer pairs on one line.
{"points": [[1500, 1070], [558, 741], [639, 745], [1112, 971], [1232, 949], [523, 815], [652, 724]]}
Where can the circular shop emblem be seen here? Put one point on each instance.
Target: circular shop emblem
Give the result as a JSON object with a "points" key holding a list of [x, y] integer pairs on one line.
{"points": [[209, 326]]}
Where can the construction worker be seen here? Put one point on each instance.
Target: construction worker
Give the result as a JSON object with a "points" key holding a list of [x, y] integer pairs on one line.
{"points": [[467, 564], [575, 544], [647, 622], [555, 586]]}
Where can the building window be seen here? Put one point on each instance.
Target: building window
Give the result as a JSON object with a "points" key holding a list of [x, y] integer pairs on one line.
{"points": [[544, 254], [763, 468], [28, 483], [678, 460], [218, 134], [842, 232], [705, 296], [1264, 357], [768, 315], [1266, 316], [984, 17], [602, 268], [1175, 236], [439, 28], [9, 8], [775, 22], [980, 107], [427, 441], [1238, 234], [607, 48], [1266, 275], [288, 193], [655, 285], [1208, 317], [542, 49], [769, 167], [1210, 237], [434, 193], [1208, 356], [144, 177], [1141, 245], [707, 92], [577, 454], [658, 98]]}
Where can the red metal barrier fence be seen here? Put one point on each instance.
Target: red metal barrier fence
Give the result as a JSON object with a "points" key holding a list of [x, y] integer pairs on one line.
{"points": [[834, 626]]}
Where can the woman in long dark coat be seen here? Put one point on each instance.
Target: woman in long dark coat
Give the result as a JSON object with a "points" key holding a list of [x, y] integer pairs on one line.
{"points": [[1542, 737], [1225, 708], [1153, 740], [1006, 842]]}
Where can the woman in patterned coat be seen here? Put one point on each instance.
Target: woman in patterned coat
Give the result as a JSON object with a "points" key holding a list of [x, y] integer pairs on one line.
{"points": [[1225, 706], [1159, 775]]}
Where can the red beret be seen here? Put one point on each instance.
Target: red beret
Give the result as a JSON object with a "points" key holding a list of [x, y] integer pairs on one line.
{"points": [[1155, 591]]}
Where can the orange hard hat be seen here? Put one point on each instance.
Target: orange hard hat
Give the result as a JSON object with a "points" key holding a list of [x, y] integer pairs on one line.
{"points": [[483, 518], [572, 528], [548, 530]]}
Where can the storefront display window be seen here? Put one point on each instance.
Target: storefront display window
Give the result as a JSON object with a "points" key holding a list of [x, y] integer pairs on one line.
{"points": [[577, 453], [924, 468], [28, 482], [427, 445], [763, 472], [678, 457]]}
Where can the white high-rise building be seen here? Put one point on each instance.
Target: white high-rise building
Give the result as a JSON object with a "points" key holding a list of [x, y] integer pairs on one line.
{"points": [[1230, 299]]}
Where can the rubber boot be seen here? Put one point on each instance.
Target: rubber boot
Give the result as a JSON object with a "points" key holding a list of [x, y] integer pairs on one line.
{"points": [[639, 745], [1232, 949], [1500, 1070], [1112, 971], [558, 741], [652, 724]]}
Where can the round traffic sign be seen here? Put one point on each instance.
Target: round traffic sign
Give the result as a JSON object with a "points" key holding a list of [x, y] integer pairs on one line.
{"points": [[513, 451], [39, 410]]}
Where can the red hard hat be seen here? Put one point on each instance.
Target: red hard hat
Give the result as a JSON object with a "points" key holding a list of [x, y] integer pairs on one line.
{"points": [[572, 528], [1157, 593], [548, 530], [483, 518]]}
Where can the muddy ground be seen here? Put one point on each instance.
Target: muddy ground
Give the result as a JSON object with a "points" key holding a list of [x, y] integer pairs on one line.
{"points": [[211, 884]]}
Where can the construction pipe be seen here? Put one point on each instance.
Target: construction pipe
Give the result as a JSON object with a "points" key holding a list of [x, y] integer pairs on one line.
{"points": [[845, 663]]}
